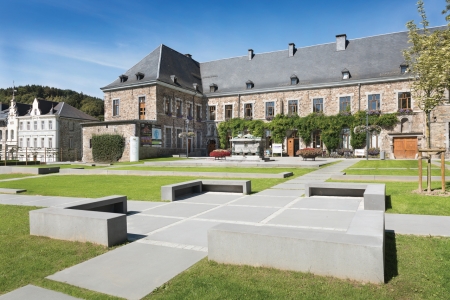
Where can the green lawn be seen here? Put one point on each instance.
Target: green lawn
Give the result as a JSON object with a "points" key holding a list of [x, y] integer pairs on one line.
{"points": [[26, 259], [156, 159], [392, 167], [65, 166], [93, 186], [295, 171], [15, 175], [416, 268]]}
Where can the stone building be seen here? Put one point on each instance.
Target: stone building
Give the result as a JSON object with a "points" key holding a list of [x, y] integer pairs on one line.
{"points": [[346, 75], [45, 130]]}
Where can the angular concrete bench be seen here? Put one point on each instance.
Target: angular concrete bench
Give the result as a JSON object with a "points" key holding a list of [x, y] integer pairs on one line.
{"points": [[102, 221], [374, 194], [172, 191]]}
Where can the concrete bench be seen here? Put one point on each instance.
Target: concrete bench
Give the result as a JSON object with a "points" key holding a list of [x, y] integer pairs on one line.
{"points": [[374, 194], [28, 170], [172, 191], [342, 255], [101, 221]]}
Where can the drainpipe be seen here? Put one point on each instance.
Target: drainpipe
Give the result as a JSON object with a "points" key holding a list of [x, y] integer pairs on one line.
{"points": [[359, 96], [239, 105]]}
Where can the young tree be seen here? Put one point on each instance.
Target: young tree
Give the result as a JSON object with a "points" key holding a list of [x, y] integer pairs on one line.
{"points": [[428, 61]]}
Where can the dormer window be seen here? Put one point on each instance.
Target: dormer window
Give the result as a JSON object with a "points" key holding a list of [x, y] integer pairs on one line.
{"points": [[139, 75], [213, 88], [123, 78], [345, 74], [294, 80], [250, 85], [174, 78], [403, 69]]}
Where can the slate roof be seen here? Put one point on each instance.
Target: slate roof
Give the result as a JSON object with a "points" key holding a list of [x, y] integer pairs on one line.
{"points": [[367, 59], [159, 65], [65, 110]]}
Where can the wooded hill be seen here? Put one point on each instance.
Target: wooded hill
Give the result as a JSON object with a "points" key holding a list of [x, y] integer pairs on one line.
{"points": [[25, 94]]}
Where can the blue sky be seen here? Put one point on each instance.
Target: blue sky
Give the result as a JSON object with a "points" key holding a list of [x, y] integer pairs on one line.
{"points": [[84, 45]]}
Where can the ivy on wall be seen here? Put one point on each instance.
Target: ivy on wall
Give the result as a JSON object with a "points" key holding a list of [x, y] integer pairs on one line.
{"points": [[330, 127], [107, 147]]}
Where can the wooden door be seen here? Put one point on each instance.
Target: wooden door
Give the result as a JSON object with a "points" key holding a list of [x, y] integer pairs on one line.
{"points": [[405, 147], [290, 147], [211, 146]]}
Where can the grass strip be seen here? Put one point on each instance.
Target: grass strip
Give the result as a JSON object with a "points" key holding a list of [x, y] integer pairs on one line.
{"points": [[147, 188], [26, 259], [15, 175]]}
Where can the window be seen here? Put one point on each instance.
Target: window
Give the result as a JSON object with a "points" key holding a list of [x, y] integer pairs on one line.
{"points": [[344, 103], [403, 69], [316, 141], [28, 125], [404, 100], [35, 142], [345, 74], [70, 143], [42, 126], [199, 139], [374, 102], [212, 113], [50, 142], [139, 76], [35, 125], [20, 125], [179, 140], [123, 78], [228, 112], [28, 142], [6, 135], [249, 84], [20, 143], [50, 124], [35, 111], [116, 107], [168, 108], [179, 110], [42, 143], [294, 80], [168, 137], [199, 112], [248, 110], [141, 108], [292, 107], [190, 110], [270, 109], [12, 134], [1, 134], [318, 105], [345, 138], [212, 88]]}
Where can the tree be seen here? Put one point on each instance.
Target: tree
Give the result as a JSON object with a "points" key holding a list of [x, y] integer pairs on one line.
{"points": [[428, 61]]}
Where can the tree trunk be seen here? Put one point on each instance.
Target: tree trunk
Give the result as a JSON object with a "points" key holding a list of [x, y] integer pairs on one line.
{"points": [[429, 155]]}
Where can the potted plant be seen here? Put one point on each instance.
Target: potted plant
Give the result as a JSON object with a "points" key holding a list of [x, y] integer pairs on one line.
{"points": [[306, 153]]}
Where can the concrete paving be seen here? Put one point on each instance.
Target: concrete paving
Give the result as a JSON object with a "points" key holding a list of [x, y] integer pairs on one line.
{"points": [[35, 292], [171, 237]]}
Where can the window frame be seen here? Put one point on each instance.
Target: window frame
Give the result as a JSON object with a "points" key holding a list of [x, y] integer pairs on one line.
{"points": [[115, 107], [377, 100], [228, 110], [342, 101], [270, 109], [401, 100], [248, 107], [317, 102], [292, 104], [212, 111]]}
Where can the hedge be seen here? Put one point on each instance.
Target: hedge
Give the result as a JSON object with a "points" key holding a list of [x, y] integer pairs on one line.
{"points": [[107, 147]]}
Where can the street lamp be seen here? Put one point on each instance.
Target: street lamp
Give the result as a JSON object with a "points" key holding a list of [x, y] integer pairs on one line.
{"points": [[187, 130]]}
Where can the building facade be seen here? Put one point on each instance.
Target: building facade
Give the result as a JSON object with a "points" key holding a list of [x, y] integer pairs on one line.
{"points": [[45, 130], [167, 87]]}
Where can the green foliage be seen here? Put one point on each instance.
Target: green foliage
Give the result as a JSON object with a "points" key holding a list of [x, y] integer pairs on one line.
{"points": [[25, 94], [107, 147], [280, 124], [237, 125]]}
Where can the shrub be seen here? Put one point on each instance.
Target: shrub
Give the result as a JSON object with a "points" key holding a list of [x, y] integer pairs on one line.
{"points": [[107, 147], [309, 152], [219, 153], [374, 151], [342, 151]]}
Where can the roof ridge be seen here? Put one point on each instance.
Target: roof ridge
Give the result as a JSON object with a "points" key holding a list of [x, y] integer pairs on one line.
{"points": [[159, 61]]}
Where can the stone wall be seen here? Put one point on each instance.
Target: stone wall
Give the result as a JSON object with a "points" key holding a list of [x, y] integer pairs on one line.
{"points": [[129, 103], [126, 130], [70, 129]]}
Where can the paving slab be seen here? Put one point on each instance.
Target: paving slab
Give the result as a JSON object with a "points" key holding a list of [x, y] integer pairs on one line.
{"points": [[261, 200], [139, 206], [418, 224], [280, 193], [210, 198], [36, 293], [22, 200], [57, 201], [239, 214], [189, 232], [131, 271], [288, 186], [179, 209], [329, 203], [142, 224], [314, 218]]}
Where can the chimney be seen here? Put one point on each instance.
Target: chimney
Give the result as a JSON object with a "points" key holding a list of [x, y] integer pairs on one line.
{"points": [[341, 42], [188, 55], [291, 49], [250, 54]]}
